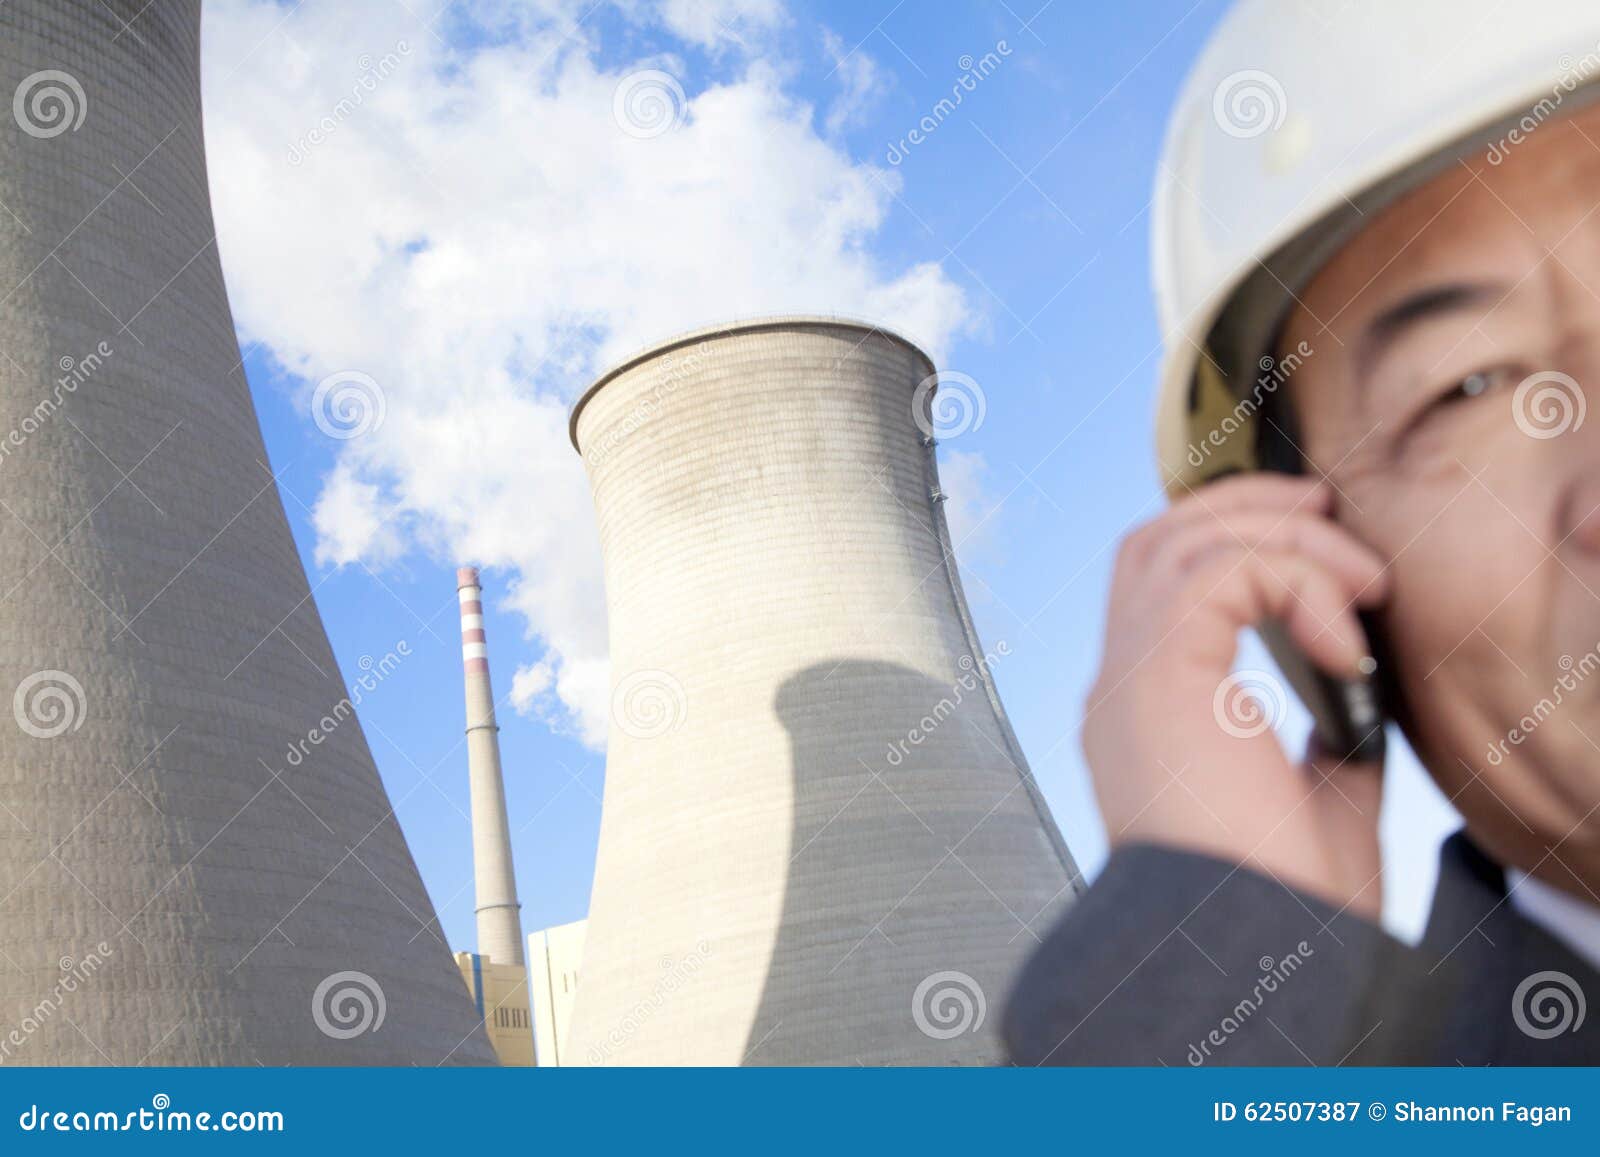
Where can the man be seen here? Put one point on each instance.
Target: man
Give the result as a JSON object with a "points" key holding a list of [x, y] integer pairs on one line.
{"points": [[1378, 246]]}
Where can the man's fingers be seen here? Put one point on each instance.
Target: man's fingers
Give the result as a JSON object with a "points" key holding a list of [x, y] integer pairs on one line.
{"points": [[1315, 609], [1262, 492], [1353, 563]]}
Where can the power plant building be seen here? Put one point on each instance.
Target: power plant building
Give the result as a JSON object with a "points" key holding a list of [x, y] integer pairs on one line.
{"points": [[186, 795], [820, 842], [500, 993], [554, 956]]}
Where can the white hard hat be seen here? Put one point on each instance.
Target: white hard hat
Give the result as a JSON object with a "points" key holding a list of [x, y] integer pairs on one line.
{"points": [[1300, 119]]}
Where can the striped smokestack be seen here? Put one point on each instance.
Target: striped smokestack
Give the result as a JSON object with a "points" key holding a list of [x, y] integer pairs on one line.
{"points": [[499, 914]]}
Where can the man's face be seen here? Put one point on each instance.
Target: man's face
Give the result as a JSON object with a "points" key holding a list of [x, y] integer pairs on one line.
{"points": [[1483, 492]]}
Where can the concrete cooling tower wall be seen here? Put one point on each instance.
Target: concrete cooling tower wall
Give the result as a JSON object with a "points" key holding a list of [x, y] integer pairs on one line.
{"points": [[821, 843], [199, 862]]}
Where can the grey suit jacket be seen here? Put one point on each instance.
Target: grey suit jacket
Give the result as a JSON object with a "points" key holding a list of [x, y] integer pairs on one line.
{"points": [[1175, 958]]}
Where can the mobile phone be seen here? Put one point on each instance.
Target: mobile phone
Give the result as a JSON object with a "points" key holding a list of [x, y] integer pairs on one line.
{"points": [[1349, 716]]}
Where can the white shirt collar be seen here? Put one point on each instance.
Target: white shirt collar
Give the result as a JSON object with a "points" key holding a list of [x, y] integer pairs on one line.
{"points": [[1570, 920]]}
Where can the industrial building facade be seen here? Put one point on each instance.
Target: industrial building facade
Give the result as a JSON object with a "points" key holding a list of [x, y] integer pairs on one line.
{"points": [[820, 842], [186, 795], [554, 957], [500, 994]]}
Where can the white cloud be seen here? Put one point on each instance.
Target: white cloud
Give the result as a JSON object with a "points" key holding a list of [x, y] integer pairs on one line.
{"points": [[471, 228], [713, 23], [350, 520], [860, 84]]}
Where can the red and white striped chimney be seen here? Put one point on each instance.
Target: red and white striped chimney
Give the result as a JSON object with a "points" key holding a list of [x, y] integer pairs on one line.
{"points": [[499, 914]]}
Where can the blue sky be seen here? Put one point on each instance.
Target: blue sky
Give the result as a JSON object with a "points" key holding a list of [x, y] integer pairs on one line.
{"points": [[1025, 211]]}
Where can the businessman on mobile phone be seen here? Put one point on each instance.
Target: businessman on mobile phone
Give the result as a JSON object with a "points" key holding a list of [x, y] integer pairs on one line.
{"points": [[1377, 247]]}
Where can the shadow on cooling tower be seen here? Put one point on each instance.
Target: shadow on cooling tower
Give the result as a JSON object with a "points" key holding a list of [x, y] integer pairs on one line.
{"points": [[898, 853]]}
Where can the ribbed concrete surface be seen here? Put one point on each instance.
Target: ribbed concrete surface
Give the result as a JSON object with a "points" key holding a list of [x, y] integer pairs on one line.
{"points": [[772, 886], [166, 820]]}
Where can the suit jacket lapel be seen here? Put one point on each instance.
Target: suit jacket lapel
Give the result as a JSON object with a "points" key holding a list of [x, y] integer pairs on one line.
{"points": [[1524, 994]]}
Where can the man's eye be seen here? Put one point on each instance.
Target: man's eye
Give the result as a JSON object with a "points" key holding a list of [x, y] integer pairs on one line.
{"points": [[1475, 385]]}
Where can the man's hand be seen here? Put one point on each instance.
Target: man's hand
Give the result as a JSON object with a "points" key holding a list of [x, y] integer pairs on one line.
{"points": [[1170, 765]]}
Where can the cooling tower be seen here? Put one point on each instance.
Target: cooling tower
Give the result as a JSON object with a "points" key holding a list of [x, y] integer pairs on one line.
{"points": [[199, 863], [820, 842]]}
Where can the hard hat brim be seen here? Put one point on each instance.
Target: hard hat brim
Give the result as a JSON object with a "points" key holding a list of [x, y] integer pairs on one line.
{"points": [[1234, 329]]}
